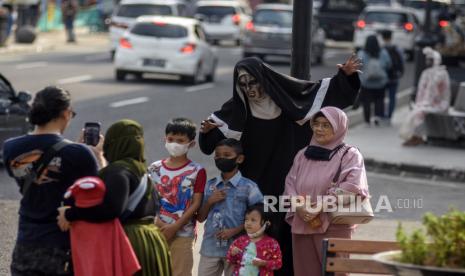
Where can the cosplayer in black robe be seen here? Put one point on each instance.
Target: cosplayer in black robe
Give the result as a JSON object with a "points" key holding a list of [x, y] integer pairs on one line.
{"points": [[269, 114]]}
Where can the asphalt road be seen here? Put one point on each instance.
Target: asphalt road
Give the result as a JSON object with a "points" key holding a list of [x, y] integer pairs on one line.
{"points": [[98, 97]]}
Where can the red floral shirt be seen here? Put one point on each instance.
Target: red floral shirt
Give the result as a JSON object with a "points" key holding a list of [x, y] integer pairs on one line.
{"points": [[267, 250]]}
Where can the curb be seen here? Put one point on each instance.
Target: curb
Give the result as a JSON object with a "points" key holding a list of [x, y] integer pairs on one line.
{"points": [[405, 169], [414, 170]]}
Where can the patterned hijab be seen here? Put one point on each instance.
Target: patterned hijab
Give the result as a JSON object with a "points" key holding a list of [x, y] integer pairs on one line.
{"points": [[124, 147]]}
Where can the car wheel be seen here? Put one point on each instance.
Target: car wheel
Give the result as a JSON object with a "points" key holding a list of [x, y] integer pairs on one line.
{"points": [[120, 75], [194, 79], [211, 77]]}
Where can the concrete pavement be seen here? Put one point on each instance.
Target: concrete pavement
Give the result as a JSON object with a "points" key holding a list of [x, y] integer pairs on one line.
{"points": [[54, 41]]}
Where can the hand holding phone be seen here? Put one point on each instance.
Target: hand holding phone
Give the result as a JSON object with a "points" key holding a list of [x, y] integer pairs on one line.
{"points": [[91, 133]]}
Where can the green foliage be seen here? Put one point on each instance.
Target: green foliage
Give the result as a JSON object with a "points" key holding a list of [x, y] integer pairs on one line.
{"points": [[445, 245]]}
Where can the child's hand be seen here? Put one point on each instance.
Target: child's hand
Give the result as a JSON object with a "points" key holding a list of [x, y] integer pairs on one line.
{"points": [[235, 251], [169, 231], [258, 262], [225, 234], [217, 196]]}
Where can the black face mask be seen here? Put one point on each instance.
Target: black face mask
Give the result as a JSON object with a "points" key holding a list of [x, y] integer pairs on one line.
{"points": [[320, 154], [226, 165]]}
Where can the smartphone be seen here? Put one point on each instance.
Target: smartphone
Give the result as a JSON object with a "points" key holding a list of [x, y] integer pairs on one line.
{"points": [[91, 133]]}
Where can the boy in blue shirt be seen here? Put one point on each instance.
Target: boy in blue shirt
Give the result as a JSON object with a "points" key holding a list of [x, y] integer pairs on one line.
{"points": [[225, 201]]}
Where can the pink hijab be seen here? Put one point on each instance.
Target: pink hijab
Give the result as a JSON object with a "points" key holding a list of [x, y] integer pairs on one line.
{"points": [[338, 120], [313, 178]]}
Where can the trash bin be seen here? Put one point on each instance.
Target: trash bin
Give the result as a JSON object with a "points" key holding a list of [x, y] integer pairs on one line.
{"points": [[3, 25]]}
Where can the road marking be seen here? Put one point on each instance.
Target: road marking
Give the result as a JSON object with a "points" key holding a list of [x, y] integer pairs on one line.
{"points": [[129, 102], [199, 87], [31, 65], [75, 79]]}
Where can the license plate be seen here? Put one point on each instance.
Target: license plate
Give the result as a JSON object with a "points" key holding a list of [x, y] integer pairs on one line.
{"points": [[154, 62]]}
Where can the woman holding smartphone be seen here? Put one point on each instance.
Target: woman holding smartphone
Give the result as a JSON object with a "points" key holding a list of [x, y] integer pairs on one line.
{"points": [[41, 248]]}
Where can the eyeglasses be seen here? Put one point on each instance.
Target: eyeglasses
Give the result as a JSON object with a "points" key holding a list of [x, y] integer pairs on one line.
{"points": [[73, 113], [324, 126]]}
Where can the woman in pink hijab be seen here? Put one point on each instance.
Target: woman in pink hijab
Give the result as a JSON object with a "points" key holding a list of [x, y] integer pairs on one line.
{"points": [[311, 176]]}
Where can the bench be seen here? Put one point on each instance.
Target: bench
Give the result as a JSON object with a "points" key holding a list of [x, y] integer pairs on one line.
{"points": [[448, 129], [333, 264]]}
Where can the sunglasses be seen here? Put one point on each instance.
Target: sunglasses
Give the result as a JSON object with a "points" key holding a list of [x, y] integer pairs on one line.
{"points": [[73, 113]]}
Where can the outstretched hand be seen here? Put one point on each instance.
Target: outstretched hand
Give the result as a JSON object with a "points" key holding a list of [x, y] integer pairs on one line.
{"points": [[352, 65]]}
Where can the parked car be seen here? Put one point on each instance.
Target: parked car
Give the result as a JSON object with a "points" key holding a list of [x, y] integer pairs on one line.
{"points": [[400, 20], [223, 20], [419, 7], [14, 108], [336, 17], [126, 13], [270, 33], [166, 45]]}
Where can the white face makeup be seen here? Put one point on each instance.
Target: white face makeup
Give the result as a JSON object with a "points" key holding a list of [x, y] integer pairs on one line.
{"points": [[250, 87]]}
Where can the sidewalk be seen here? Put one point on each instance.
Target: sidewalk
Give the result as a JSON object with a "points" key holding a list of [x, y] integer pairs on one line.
{"points": [[383, 152], [56, 40]]}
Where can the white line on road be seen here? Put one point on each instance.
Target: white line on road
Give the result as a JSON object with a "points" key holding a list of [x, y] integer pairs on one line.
{"points": [[75, 79], [129, 102], [199, 87], [31, 65]]}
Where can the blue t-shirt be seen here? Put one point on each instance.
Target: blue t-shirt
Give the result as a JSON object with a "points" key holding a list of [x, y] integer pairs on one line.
{"points": [[38, 208], [229, 213]]}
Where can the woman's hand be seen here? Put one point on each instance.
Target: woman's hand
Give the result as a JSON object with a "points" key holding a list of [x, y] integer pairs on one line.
{"points": [[207, 125], [352, 65], [62, 222], [258, 262], [305, 215], [235, 250]]}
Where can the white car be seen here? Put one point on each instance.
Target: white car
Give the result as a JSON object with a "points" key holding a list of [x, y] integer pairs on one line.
{"points": [[166, 45], [127, 11], [223, 20], [400, 20]]}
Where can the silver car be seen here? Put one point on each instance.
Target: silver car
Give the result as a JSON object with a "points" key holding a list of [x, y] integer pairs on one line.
{"points": [[270, 33]]}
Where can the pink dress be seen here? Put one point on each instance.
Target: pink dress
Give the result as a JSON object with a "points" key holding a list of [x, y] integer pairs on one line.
{"points": [[267, 250]]}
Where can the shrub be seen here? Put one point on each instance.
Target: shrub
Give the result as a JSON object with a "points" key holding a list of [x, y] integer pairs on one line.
{"points": [[442, 246]]}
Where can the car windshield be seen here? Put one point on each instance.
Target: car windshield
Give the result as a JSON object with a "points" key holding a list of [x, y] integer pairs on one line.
{"points": [[422, 5], [385, 17], [280, 18], [217, 11], [136, 10], [159, 30]]}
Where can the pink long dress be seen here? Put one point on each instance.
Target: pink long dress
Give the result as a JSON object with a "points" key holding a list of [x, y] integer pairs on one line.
{"points": [[313, 178]]}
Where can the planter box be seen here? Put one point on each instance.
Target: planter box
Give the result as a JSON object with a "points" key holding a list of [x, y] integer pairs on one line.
{"points": [[402, 269]]}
